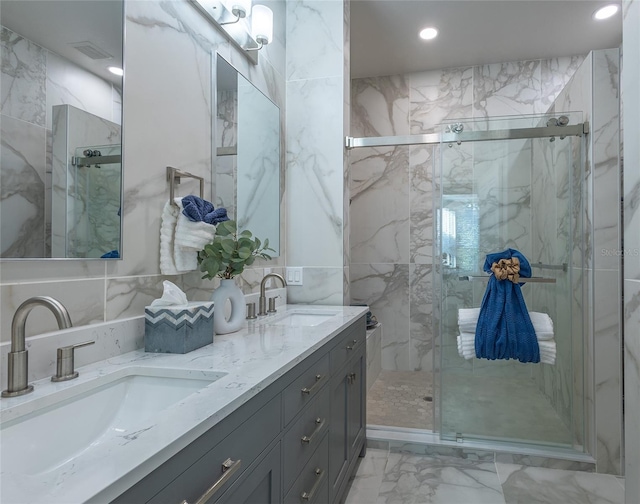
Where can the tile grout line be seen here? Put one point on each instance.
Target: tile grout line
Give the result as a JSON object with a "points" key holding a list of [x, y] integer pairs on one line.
{"points": [[495, 463]]}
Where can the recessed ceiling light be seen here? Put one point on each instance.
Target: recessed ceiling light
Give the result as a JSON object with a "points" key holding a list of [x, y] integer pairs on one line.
{"points": [[605, 12], [428, 33], [116, 71]]}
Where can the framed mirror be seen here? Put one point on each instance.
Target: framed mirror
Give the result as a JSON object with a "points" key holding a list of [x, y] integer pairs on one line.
{"points": [[246, 174], [61, 152]]}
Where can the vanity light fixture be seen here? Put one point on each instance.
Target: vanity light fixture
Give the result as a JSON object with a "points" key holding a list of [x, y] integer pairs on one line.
{"points": [[238, 8], [261, 26], [249, 29], [116, 70], [605, 12], [428, 33]]}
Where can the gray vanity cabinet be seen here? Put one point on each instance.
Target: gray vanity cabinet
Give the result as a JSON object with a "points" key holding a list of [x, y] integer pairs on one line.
{"points": [[297, 441], [348, 407], [260, 486]]}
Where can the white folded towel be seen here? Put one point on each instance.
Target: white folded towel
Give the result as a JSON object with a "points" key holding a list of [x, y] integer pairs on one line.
{"points": [[193, 236], [467, 348], [174, 259], [542, 323]]}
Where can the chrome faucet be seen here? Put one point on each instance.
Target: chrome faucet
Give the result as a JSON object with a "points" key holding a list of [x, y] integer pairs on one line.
{"points": [[262, 302], [18, 363]]}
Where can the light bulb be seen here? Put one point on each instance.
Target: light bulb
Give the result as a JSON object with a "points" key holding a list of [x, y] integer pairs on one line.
{"points": [[605, 12], [262, 24], [428, 33], [116, 70]]}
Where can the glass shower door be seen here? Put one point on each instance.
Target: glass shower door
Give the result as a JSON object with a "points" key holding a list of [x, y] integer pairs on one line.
{"points": [[523, 194]]}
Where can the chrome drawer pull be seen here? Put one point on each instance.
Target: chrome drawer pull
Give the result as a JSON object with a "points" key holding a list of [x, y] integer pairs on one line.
{"points": [[352, 378], [309, 439], [352, 345], [309, 496], [229, 468], [312, 389]]}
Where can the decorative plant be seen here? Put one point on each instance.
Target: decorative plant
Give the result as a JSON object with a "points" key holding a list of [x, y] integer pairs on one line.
{"points": [[229, 252]]}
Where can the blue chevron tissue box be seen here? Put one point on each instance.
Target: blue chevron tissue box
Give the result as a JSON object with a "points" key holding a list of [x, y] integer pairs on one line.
{"points": [[178, 329]]}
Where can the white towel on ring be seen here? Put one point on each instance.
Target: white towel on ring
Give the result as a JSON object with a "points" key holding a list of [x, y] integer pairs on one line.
{"points": [[190, 235], [174, 259]]}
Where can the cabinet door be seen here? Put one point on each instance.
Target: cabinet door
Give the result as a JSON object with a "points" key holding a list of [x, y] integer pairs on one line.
{"points": [[338, 437], [260, 485], [356, 410]]}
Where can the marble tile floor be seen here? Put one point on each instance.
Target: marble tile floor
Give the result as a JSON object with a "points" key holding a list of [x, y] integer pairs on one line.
{"points": [[397, 398], [388, 477]]}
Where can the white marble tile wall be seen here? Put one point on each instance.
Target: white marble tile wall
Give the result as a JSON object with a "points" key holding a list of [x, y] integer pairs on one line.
{"points": [[594, 89], [631, 112], [167, 123], [316, 170], [392, 188]]}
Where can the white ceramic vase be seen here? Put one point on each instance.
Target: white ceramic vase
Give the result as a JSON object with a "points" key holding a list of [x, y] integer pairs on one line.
{"points": [[228, 290]]}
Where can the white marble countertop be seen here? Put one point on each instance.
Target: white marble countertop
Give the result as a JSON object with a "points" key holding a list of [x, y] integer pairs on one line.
{"points": [[253, 358]]}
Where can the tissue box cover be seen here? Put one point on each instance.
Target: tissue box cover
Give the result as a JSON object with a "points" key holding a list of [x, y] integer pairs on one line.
{"points": [[178, 329]]}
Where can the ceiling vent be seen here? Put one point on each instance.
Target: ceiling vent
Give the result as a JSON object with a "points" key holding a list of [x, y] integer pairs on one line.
{"points": [[89, 49]]}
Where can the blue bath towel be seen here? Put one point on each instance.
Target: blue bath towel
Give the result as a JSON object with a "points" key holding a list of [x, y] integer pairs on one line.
{"points": [[504, 329], [199, 210]]}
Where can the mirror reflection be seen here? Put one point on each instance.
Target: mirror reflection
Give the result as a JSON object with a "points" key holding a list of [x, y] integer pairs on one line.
{"points": [[61, 165], [247, 167]]}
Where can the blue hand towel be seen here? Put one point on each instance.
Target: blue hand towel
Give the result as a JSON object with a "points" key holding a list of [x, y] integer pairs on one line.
{"points": [[114, 254], [199, 210], [504, 329]]}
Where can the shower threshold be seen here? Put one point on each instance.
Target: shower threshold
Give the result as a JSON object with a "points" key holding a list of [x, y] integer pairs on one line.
{"points": [[428, 442]]}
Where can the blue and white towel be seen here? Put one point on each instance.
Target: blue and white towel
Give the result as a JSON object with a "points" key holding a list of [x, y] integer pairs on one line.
{"points": [[504, 329]]}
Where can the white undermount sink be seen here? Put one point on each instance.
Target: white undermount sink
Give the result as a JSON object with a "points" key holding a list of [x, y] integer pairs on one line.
{"points": [[304, 318], [66, 423]]}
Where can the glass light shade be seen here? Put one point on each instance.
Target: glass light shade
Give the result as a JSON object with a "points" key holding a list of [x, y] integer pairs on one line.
{"points": [[238, 7], [262, 24]]}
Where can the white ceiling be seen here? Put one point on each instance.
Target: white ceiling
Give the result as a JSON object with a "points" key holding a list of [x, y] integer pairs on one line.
{"points": [[384, 33], [56, 24]]}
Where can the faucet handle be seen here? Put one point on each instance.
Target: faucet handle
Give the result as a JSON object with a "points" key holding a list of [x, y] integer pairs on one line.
{"points": [[272, 304], [65, 362]]}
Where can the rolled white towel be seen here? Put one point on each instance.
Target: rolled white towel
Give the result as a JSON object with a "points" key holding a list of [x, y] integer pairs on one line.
{"points": [[542, 323], [467, 348]]}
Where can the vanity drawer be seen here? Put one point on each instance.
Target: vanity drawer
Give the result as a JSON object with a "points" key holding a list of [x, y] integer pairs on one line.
{"points": [[313, 481], [350, 344], [305, 434], [305, 388], [242, 447]]}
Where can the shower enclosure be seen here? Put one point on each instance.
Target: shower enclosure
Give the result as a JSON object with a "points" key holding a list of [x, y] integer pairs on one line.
{"points": [[512, 182]]}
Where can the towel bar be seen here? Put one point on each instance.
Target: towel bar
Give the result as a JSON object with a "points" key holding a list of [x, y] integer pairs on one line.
{"points": [[174, 175], [563, 266], [472, 278]]}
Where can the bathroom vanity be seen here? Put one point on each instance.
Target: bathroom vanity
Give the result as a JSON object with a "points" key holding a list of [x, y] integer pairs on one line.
{"points": [[279, 416]]}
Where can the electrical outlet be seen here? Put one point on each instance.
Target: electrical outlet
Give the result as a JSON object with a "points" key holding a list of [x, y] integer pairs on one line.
{"points": [[268, 282], [294, 276]]}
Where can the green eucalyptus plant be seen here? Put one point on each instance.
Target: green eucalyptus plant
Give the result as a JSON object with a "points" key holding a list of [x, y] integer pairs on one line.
{"points": [[229, 252]]}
